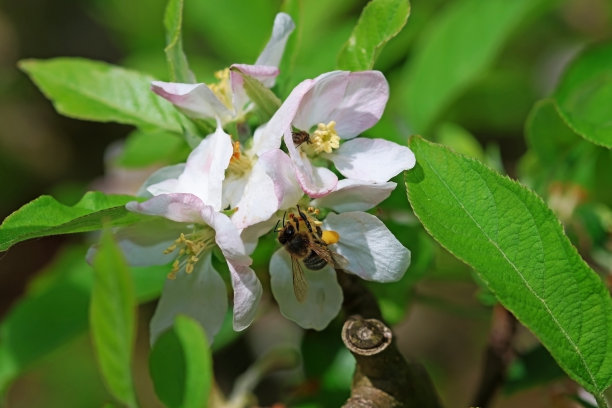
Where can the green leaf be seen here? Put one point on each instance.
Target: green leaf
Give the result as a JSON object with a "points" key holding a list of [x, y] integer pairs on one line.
{"points": [[380, 21], [143, 149], [54, 310], [91, 90], [46, 317], [45, 216], [112, 316], [585, 92], [261, 96], [181, 365], [459, 46], [177, 61], [518, 248]]}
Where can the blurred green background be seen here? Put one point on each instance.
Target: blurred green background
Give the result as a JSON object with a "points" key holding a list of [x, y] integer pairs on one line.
{"points": [[440, 321]]}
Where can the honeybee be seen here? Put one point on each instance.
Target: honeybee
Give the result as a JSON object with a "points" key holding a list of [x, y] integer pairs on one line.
{"points": [[302, 236], [300, 136]]}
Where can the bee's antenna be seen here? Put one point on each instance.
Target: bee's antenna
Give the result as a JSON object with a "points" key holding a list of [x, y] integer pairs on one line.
{"points": [[276, 229], [284, 218]]}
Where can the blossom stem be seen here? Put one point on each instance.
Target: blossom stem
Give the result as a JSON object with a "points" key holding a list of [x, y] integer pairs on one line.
{"points": [[383, 378]]}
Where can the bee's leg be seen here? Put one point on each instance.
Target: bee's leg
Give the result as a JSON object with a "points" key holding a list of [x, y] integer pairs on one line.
{"points": [[305, 219]]}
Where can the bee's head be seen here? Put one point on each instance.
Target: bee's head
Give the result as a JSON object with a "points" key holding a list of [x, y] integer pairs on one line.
{"points": [[286, 234]]}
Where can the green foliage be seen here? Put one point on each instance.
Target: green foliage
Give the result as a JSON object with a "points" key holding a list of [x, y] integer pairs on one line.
{"points": [[45, 216], [380, 21], [54, 310], [584, 95], [177, 61], [517, 246], [46, 317], [91, 90], [181, 365], [112, 316], [558, 154], [459, 46], [143, 149], [533, 368]]}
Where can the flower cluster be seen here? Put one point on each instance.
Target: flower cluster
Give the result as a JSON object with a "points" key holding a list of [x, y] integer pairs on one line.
{"points": [[231, 192]]}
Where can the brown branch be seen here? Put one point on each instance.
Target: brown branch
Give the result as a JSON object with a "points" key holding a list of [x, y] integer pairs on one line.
{"points": [[383, 378], [498, 355]]}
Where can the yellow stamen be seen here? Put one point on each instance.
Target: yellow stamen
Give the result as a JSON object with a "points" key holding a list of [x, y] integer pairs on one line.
{"points": [[192, 245], [222, 88], [240, 163], [323, 140]]}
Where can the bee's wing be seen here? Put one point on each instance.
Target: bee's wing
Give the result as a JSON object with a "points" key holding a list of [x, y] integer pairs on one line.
{"points": [[300, 285], [340, 262], [336, 260]]}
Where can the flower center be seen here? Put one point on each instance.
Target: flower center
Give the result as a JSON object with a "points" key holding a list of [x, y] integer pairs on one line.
{"points": [[240, 163], [323, 140], [190, 247], [222, 88]]}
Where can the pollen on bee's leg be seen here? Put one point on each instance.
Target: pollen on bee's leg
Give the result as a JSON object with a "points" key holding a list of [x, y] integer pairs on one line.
{"points": [[330, 237]]}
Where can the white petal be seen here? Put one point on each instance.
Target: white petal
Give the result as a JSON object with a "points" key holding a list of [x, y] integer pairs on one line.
{"points": [[272, 53], [323, 299], [251, 235], [355, 100], [372, 159], [165, 173], [201, 295], [233, 189], [371, 249], [355, 195], [258, 201], [247, 293], [227, 236], [175, 207], [196, 100], [144, 243]]}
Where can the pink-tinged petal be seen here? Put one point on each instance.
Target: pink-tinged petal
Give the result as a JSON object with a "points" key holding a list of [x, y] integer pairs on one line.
{"points": [[240, 99], [201, 295], [247, 293], [227, 236], [323, 299], [355, 195], [273, 52], [372, 251], [278, 165], [269, 135], [375, 160], [176, 207], [315, 181], [354, 100], [195, 100], [205, 169]]}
